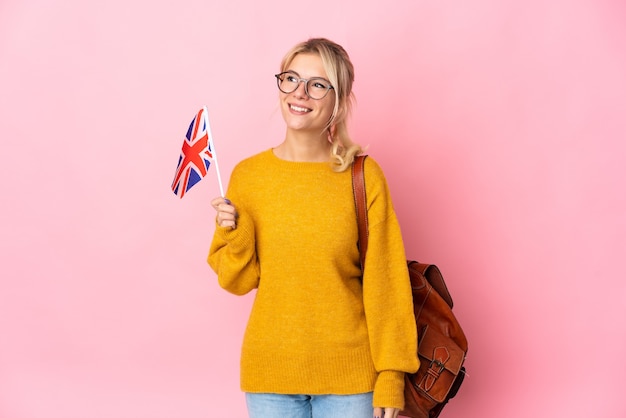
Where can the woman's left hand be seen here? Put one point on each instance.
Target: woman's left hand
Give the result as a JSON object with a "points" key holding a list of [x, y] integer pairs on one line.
{"points": [[386, 412]]}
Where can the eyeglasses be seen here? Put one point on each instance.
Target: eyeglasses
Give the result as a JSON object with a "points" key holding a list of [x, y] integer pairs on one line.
{"points": [[316, 87]]}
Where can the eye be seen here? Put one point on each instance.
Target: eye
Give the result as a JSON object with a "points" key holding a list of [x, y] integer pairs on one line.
{"points": [[320, 83], [291, 78]]}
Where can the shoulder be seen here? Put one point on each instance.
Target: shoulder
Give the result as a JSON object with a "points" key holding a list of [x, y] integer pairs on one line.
{"points": [[372, 165], [374, 175], [380, 206], [257, 160], [247, 173], [251, 167]]}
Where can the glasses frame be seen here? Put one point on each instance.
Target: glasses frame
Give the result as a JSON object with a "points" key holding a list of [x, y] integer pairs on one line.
{"points": [[302, 80]]}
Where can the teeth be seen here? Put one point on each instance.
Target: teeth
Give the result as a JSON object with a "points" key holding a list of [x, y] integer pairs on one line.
{"points": [[299, 109]]}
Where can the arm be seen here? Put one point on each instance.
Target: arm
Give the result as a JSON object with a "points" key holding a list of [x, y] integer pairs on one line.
{"points": [[387, 296], [233, 251]]}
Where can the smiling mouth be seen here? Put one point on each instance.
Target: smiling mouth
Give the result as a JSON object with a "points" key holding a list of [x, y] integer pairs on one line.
{"points": [[299, 109]]}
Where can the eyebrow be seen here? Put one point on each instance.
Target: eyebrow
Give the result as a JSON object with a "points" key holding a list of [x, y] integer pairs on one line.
{"points": [[311, 78]]}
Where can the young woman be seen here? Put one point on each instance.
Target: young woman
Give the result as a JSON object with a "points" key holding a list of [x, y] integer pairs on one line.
{"points": [[324, 339]]}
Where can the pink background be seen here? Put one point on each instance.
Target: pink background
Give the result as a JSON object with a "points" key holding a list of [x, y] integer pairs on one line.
{"points": [[501, 126]]}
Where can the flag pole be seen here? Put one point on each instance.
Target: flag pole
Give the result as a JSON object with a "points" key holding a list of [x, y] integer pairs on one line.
{"points": [[212, 146]]}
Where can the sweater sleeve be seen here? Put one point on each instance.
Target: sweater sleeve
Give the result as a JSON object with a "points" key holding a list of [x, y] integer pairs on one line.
{"points": [[387, 295], [232, 254]]}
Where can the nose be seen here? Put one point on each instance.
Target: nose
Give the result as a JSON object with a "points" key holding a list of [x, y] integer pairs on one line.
{"points": [[300, 91]]}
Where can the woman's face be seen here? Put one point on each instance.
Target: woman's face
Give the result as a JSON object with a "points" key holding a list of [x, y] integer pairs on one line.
{"points": [[299, 111]]}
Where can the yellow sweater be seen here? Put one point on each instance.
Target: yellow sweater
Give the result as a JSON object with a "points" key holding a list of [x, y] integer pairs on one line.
{"points": [[317, 326]]}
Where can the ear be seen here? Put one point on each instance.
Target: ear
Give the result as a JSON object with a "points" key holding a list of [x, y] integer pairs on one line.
{"points": [[332, 129]]}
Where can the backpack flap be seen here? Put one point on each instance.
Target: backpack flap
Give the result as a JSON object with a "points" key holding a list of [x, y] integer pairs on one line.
{"points": [[441, 360], [433, 275]]}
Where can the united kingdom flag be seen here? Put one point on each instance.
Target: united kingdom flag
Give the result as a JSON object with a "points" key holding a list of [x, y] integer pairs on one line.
{"points": [[195, 157]]}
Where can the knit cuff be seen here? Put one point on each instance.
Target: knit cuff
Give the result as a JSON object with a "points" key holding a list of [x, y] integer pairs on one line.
{"points": [[239, 238], [389, 389]]}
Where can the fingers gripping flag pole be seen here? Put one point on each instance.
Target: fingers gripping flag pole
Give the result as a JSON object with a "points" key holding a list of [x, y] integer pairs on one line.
{"points": [[196, 155]]}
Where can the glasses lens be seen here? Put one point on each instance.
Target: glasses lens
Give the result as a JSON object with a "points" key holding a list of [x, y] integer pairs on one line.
{"points": [[318, 88], [287, 82]]}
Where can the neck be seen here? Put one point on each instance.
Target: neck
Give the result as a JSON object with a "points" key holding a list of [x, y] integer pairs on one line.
{"points": [[304, 147]]}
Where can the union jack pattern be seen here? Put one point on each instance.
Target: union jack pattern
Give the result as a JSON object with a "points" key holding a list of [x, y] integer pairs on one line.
{"points": [[195, 157]]}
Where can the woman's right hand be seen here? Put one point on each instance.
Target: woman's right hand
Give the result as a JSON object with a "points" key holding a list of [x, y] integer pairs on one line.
{"points": [[226, 212]]}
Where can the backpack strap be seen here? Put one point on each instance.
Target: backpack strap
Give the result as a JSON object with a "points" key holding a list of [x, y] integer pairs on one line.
{"points": [[360, 201]]}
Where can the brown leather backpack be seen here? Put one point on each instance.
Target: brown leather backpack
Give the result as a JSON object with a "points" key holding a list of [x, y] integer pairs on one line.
{"points": [[442, 345]]}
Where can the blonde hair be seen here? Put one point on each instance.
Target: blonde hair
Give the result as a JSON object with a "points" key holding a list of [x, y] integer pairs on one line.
{"points": [[340, 72]]}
